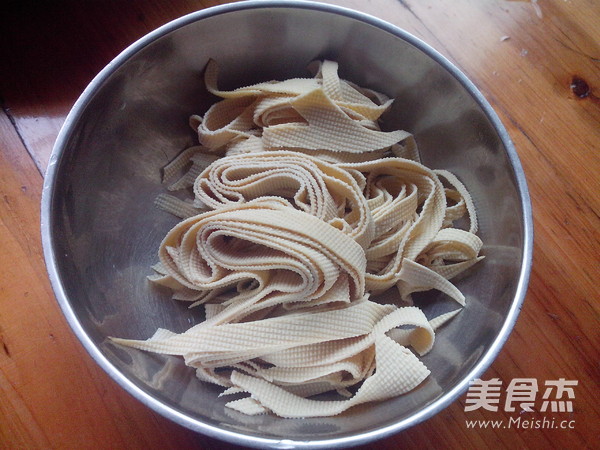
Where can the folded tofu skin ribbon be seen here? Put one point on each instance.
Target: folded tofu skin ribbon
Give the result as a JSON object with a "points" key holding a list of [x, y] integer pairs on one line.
{"points": [[300, 212]]}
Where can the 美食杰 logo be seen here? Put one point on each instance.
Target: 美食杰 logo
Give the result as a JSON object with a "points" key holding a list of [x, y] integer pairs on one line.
{"points": [[526, 394]]}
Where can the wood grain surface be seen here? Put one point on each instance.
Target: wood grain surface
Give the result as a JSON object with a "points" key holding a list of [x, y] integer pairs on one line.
{"points": [[537, 62]]}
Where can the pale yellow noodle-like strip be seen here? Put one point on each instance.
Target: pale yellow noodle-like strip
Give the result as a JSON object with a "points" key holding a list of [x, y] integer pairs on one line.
{"points": [[310, 209], [312, 185]]}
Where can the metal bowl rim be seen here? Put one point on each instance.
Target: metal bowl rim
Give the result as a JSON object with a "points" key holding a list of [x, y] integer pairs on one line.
{"points": [[52, 173]]}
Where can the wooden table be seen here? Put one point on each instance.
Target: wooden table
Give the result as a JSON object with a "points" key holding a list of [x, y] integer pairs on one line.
{"points": [[537, 62]]}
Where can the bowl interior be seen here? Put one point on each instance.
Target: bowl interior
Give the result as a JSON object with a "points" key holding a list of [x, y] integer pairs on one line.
{"points": [[105, 230]]}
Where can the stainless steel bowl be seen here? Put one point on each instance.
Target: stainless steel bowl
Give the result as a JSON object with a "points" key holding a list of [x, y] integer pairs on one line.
{"points": [[101, 231]]}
